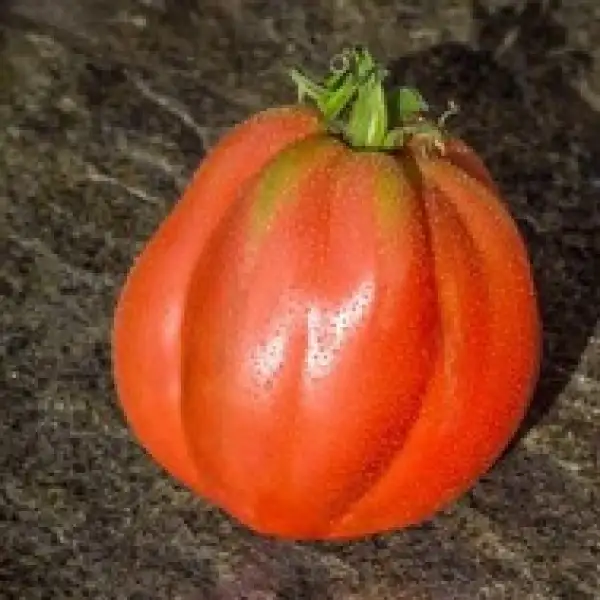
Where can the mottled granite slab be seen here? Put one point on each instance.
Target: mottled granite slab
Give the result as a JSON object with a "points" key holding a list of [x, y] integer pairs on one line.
{"points": [[105, 110]]}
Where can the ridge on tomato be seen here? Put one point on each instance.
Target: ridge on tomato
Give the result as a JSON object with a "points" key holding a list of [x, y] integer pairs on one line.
{"points": [[335, 332]]}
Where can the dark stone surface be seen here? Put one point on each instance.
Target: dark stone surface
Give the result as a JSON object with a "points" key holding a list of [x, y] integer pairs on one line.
{"points": [[106, 108]]}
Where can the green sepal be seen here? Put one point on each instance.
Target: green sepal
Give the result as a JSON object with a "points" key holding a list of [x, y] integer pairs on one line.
{"points": [[340, 96], [367, 126], [407, 103], [307, 87]]}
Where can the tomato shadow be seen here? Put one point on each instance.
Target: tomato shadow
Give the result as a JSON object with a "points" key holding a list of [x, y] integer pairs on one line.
{"points": [[522, 112], [271, 568]]}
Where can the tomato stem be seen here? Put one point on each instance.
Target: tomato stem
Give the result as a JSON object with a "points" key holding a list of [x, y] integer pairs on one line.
{"points": [[354, 103]]}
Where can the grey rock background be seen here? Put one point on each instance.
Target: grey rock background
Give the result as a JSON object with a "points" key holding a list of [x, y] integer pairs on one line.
{"points": [[105, 110]]}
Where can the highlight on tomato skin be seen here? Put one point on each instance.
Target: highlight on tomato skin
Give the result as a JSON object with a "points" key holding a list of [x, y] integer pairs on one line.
{"points": [[335, 333]]}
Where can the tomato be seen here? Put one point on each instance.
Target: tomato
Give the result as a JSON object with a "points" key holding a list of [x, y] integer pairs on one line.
{"points": [[335, 332]]}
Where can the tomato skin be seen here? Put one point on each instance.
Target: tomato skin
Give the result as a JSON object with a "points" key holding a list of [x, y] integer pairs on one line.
{"points": [[324, 342], [147, 327]]}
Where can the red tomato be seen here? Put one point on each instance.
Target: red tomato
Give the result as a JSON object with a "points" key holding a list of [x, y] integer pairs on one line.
{"points": [[330, 341]]}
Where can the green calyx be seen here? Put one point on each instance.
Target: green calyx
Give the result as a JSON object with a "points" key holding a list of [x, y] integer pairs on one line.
{"points": [[354, 104]]}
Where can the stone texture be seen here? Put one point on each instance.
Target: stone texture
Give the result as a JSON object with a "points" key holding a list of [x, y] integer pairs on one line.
{"points": [[105, 110]]}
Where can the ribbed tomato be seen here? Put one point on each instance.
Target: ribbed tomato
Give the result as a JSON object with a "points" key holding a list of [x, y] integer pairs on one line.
{"points": [[335, 332]]}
